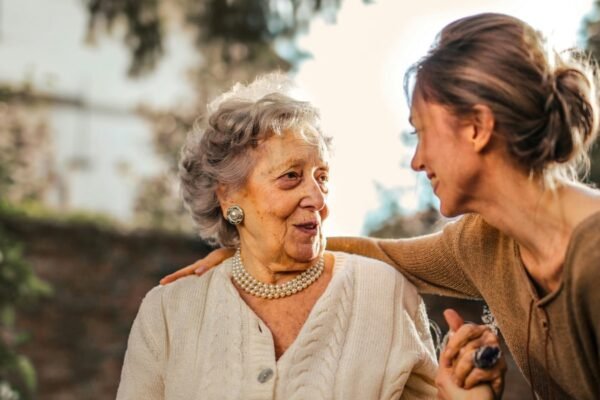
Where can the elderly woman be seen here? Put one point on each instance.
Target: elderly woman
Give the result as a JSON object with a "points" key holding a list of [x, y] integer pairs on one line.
{"points": [[282, 318]]}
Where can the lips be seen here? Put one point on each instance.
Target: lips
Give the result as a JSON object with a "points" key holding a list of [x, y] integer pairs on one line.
{"points": [[433, 181], [310, 228]]}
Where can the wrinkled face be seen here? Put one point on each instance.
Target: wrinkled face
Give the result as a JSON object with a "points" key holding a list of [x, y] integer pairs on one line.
{"points": [[285, 200], [445, 154]]}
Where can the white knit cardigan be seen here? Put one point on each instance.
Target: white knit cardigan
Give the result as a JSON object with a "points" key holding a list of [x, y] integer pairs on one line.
{"points": [[366, 337]]}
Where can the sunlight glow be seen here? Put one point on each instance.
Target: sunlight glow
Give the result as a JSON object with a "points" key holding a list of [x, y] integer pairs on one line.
{"points": [[355, 77]]}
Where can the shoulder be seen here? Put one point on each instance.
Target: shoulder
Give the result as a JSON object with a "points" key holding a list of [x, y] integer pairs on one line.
{"points": [[184, 292], [476, 241], [475, 227], [378, 278], [356, 263], [583, 256]]}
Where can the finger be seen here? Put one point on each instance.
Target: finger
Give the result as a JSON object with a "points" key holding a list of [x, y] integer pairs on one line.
{"points": [[461, 337], [486, 339], [211, 260], [179, 274], [498, 384], [494, 377], [477, 376], [453, 318], [463, 366], [442, 382], [447, 389], [215, 258], [463, 362]]}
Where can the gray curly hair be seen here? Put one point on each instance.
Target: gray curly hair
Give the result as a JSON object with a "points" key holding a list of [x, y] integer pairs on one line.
{"points": [[222, 151]]}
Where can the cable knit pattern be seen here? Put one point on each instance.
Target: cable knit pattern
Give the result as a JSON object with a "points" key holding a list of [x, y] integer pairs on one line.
{"points": [[367, 337], [223, 359], [322, 341]]}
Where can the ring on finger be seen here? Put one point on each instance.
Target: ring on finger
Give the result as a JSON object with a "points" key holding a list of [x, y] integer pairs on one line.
{"points": [[486, 357]]}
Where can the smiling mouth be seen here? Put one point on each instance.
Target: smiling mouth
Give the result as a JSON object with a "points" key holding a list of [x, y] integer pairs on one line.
{"points": [[434, 183], [310, 228]]}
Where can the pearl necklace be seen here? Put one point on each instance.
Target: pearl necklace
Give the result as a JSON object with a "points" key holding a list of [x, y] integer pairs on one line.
{"points": [[274, 291]]}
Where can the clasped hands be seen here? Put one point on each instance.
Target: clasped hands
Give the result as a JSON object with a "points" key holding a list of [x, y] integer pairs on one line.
{"points": [[457, 376]]}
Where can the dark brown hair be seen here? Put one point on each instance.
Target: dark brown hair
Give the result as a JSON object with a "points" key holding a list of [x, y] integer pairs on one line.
{"points": [[545, 105]]}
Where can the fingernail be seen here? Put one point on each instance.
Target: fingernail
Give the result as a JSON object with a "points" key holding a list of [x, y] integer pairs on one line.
{"points": [[200, 270]]}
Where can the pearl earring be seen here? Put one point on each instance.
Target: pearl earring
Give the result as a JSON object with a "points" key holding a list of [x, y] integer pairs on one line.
{"points": [[235, 215]]}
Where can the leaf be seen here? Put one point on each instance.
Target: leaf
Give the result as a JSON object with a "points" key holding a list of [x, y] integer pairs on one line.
{"points": [[27, 372]]}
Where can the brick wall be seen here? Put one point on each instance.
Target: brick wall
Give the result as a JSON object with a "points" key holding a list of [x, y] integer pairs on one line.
{"points": [[99, 276]]}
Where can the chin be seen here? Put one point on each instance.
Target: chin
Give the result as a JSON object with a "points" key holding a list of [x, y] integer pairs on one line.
{"points": [[450, 210], [447, 210], [306, 252]]}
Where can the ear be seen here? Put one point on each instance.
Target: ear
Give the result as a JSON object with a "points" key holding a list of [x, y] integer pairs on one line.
{"points": [[483, 127], [223, 197]]}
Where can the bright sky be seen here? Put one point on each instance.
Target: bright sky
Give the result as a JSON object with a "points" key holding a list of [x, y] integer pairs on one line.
{"points": [[355, 76]]}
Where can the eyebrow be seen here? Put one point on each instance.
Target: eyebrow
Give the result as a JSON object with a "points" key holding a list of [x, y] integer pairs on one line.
{"points": [[295, 162]]}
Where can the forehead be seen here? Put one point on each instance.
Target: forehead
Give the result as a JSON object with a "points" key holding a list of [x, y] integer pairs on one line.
{"points": [[429, 113], [291, 148]]}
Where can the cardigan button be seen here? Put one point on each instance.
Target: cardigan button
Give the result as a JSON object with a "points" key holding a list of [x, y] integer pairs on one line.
{"points": [[265, 375]]}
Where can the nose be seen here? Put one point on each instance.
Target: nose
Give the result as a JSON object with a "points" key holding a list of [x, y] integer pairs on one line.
{"points": [[315, 196], [416, 163]]}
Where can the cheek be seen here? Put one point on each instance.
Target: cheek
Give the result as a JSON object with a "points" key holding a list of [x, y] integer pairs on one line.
{"points": [[272, 213], [324, 212]]}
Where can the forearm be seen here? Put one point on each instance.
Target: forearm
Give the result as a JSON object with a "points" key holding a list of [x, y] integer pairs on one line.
{"points": [[426, 261], [364, 246]]}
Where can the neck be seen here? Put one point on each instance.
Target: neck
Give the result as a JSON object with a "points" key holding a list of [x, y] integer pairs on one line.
{"points": [[540, 220], [272, 268]]}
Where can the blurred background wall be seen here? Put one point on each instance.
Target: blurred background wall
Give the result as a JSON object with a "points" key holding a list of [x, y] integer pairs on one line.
{"points": [[96, 97]]}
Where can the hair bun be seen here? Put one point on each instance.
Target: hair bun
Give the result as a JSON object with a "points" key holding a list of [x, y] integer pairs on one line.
{"points": [[572, 122]]}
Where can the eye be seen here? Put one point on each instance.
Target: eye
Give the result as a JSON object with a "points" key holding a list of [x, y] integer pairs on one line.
{"points": [[289, 180], [291, 175], [323, 178]]}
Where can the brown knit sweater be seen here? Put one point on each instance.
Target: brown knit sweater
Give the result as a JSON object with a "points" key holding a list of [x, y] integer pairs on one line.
{"points": [[555, 339]]}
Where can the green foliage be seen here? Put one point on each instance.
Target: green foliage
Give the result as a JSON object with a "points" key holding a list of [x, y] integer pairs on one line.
{"points": [[36, 209], [20, 141], [144, 27], [252, 24], [19, 287]]}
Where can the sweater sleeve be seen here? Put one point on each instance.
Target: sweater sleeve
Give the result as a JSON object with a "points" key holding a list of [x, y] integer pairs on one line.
{"points": [[141, 377], [411, 364], [433, 263], [420, 383], [584, 298]]}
